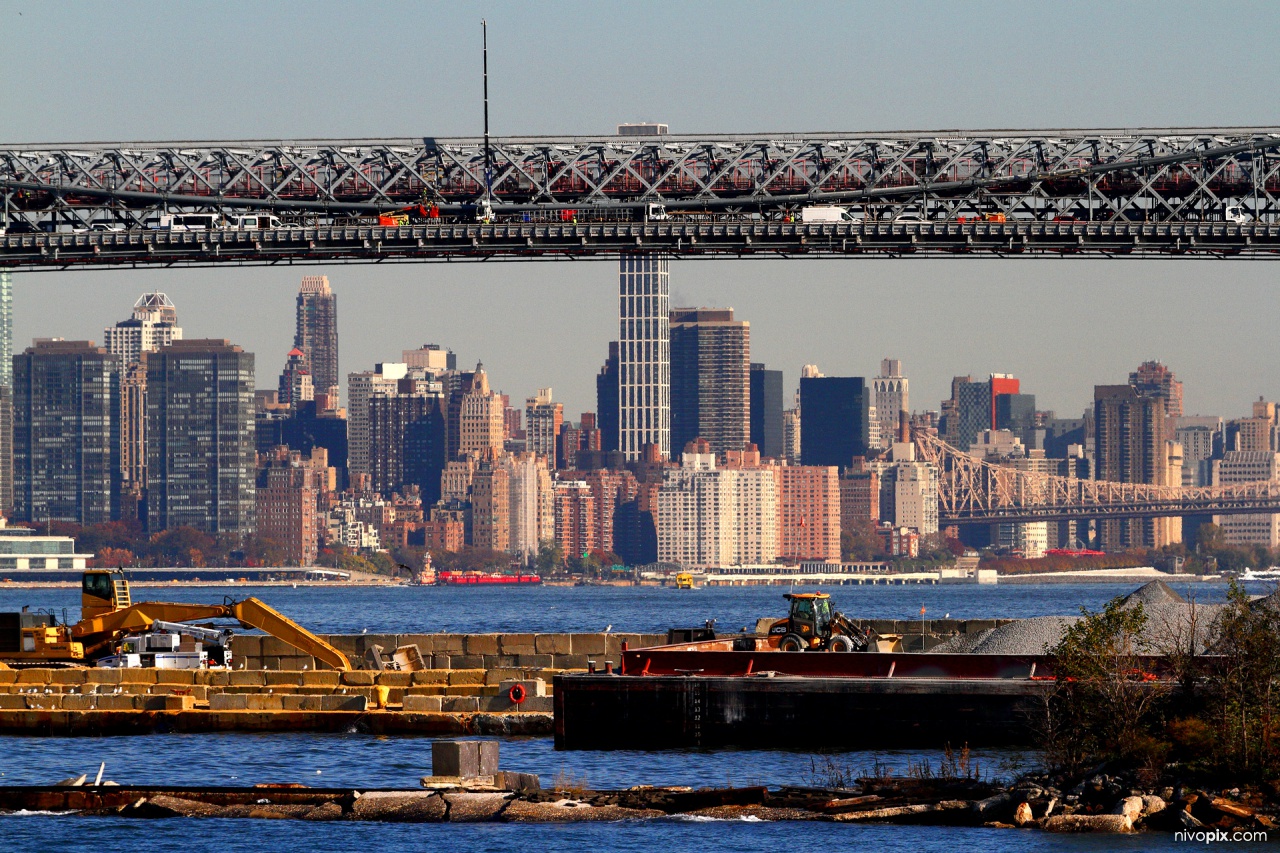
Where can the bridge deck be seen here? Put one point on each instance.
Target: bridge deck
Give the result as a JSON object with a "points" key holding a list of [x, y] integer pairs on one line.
{"points": [[527, 241]]}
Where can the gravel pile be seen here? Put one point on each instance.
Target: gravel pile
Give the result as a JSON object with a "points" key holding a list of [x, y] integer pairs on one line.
{"points": [[1025, 637], [1156, 592], [1272, 601], [961, 643], [1172, 623], [1172, 626]]}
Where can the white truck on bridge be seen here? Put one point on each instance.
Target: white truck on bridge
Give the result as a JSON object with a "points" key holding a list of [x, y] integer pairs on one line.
{"points": [[818, 213]]}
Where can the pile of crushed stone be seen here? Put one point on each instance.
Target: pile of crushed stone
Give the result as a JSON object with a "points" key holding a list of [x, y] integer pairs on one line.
{"points": [[1172, 624], [1156, 592]]}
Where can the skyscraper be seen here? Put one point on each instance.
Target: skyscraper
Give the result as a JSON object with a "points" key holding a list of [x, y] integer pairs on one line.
{"points": [[766, 410], [543, 420], [977, 406], [607, 400], [296, 383], [406, 443], [153, 324], [480, 421], [317, 331], [710, 384], [66, 433], [891, 398], [6, 391], [1130, 436], [835, 419], [361, 387], [1153, 379], [644, 356], [200, 431]]}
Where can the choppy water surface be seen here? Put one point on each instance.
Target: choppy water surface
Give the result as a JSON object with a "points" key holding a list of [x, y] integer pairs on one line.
{"points": [[358, 760]]}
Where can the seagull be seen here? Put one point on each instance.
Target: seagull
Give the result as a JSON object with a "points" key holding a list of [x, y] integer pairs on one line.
{"points": [[364, 630], [608, 628]]}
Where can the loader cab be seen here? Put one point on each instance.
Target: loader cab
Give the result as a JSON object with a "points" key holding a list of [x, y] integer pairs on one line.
{"points": [[103, 591], [810, 615]]}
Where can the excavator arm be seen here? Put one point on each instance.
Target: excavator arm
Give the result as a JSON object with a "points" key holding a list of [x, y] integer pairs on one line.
{"points": [[101, 631], [258, 614]]}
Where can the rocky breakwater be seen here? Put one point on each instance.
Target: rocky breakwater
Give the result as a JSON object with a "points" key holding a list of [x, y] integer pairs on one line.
{"points": [[1102, 803]]}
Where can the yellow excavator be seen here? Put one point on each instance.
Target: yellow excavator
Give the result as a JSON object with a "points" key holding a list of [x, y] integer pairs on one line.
{"points": [[107, 614]]}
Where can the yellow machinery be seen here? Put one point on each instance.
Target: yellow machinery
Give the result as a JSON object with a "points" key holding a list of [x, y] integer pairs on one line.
{"points": [[108, 614], [813, 624], [37, 638]]}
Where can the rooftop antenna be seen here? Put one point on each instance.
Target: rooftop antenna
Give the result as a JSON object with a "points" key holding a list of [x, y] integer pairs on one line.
{"points": [[486, 206]]}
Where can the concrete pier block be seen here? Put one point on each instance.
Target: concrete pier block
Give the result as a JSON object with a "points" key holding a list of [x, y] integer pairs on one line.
{"points": [[422, 704], [143, 676], [459, 758], [175, 676], [552, 644], [67, 676], [459, 705], [535, 661], [34, 676], [357, 678], [466, 676], [229, 702], [343, 703], [447, 644], [481, 644], [314, 678], [101, 676], [516, 644], [394, 679], [431, 676], [246, 678], [587, 644]]}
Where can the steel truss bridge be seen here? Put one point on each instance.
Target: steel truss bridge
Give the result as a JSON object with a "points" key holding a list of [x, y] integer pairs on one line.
{"points": [[1180, 192], [976, 491]]}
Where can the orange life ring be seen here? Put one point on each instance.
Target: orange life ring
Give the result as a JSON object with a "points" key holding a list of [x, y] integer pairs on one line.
{"points": [[516, 694]]}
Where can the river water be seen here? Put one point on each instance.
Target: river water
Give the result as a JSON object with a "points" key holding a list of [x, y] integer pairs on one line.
{"points": [[358, 760]]}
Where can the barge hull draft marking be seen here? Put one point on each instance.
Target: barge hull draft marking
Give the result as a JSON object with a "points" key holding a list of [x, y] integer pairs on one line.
{"points": [[600, 712]]}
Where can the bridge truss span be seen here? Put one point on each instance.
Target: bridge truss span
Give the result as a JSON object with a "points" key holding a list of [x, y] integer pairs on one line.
{"points": [[977, 491], [1135, 193]]}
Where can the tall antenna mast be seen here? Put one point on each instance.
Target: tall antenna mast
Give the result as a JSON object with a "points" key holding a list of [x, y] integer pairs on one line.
{"points": [[487, 207]]}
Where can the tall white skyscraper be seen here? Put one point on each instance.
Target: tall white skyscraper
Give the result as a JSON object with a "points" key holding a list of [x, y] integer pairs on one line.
{"points": [[890, 389], [644, 355], [154, 324]]}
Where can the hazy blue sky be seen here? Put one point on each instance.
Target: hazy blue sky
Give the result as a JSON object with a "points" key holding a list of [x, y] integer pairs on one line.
{"points": [[79, 71]]}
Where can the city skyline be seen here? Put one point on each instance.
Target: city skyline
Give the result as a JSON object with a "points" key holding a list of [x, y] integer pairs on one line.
{"points": [[1214, 383]]}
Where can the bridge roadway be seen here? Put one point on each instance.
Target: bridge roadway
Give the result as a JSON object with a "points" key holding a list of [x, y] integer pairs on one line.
{"points": [[748, 238]]}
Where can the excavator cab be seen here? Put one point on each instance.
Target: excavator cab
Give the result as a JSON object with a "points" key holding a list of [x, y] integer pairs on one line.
{"points": [[103, 591]]}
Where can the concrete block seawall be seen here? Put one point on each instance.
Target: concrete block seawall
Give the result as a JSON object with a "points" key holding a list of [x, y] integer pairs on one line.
{"points": [[452, 651]]}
